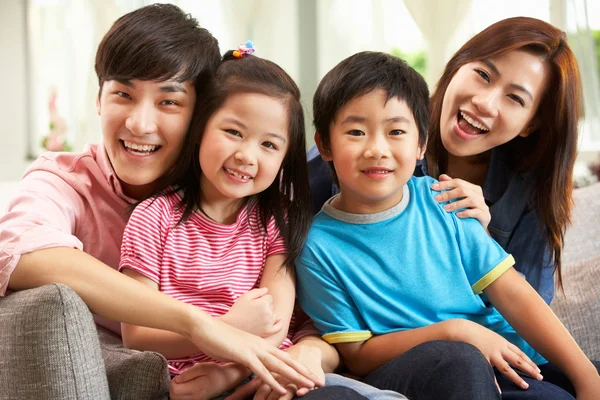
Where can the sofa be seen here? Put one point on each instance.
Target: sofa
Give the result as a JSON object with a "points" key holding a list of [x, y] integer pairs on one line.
{"points": [[50, 347]]}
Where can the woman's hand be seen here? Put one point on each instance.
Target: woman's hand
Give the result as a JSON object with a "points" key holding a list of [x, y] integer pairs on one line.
{"points": [[225, 343], [467, 195], [501, 354], [253, 313], [204, 381]]}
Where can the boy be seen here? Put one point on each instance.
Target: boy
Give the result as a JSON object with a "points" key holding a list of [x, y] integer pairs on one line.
{"points": [[384, 267], [66, 222]]}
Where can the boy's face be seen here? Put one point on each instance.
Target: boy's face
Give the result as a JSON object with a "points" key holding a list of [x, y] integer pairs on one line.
{"points": [[144, 124], [374, 148]]}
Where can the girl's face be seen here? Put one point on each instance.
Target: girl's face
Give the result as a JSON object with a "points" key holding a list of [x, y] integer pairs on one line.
{"points": [[490, 102], [243, 146]]}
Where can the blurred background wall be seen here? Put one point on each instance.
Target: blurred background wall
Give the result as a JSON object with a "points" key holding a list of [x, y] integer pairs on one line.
{"points": [[47, 50]]}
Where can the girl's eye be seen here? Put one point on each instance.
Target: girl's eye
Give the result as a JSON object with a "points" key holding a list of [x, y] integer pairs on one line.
{"points": [[483, 74], [397, 132], [517, 99], [122, 94], [269, 145], [233, 132], [356, 132]]}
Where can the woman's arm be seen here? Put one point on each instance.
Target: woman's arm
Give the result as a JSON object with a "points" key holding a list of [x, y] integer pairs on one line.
{"points": [[531, 317]]}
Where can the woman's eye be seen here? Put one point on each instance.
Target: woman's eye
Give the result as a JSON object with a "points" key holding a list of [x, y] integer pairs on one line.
{"points": [[517, 99], [356, 132], [269, 145], [233, 132], [123, 94], [397, 132], [483, 74]]}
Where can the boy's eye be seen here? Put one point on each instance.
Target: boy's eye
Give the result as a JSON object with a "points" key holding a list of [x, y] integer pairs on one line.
{"points": [[123, 94], [397, 132], [356, 132], [169, 103], [233, 132], [483, 74], [517, 99], [269, 145]]}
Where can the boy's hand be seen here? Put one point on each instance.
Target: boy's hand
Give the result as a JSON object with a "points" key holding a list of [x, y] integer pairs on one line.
{"points": [[205, 381], [467, 195], [501, 354], [253, 313]]}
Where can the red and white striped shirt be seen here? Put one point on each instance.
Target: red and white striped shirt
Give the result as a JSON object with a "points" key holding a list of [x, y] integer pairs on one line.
{"points": [[200, 261]]}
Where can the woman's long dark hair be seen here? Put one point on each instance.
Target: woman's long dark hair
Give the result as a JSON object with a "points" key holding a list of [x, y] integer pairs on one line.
{"points": [[287, 200], [549, 152]]}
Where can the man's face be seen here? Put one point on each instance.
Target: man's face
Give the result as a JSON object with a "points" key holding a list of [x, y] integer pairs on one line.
{"points": [[144, 124]]}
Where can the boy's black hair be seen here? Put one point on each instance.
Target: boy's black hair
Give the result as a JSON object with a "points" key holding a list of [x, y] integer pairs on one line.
{"points": [[157, 43], [288, 198], [362, 73]]}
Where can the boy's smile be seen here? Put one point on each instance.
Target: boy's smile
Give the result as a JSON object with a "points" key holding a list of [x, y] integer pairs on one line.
{"points": [[374, 146]]}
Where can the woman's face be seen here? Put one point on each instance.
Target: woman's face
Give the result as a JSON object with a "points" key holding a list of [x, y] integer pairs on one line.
{"points": [[490, 102]]}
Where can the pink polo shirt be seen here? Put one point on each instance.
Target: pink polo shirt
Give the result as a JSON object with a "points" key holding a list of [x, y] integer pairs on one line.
{"points": [[66, 200]]}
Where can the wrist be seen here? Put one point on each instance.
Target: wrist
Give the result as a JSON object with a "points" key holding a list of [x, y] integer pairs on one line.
{"points": [[456, 330]]}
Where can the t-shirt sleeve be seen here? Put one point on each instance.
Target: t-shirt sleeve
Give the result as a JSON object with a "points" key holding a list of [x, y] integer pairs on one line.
{"points": [[275, 241], [483, 258], [144, 236], [44, 213], [327, 303]]}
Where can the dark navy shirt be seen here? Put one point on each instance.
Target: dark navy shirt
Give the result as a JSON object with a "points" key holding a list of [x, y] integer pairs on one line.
{"points": [[514, 225]]}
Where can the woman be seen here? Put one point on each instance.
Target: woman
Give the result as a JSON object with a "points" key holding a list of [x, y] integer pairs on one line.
{"points": [[502, 140]]}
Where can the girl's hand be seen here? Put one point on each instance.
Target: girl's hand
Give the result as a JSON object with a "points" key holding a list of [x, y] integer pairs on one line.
{"points": [[205, 381], [225, 343], [501, 354], [253, 313], [467, 195], [590, 389]]}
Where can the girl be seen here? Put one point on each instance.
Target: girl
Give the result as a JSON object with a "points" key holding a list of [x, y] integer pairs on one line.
{"points": [[233, 218]]}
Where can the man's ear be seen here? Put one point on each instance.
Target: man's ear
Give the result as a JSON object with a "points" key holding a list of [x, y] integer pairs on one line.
{"points": [[98, 104], [530, 128], [325, 152]]}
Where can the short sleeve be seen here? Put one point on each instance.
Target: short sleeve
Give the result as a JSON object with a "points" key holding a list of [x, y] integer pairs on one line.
{"points": [[275, 241], [144, 237], [43, 214], [327, 303], [483, 258]]}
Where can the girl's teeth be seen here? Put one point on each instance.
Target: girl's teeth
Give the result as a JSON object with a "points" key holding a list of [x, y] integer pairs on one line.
{"points": [[473, 122], [236, 174]]}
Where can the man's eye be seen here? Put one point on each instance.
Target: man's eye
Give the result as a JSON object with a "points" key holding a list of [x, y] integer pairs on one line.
{"points": [[483, 74], [356, 132], [397, 132]]}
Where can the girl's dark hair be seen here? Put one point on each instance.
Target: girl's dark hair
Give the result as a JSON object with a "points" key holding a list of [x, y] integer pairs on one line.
{"points": [[549, 152], [287, 200]]}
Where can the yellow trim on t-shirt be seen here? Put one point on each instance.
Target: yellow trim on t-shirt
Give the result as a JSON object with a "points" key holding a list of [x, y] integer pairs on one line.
{"points": [[493, 274], [346, 337]]}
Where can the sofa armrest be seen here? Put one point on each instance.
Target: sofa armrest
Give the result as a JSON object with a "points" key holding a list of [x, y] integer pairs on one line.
{"points": [[49, 347]]}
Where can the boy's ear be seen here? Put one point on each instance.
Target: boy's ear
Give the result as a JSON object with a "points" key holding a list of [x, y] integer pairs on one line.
{"points": [[421, 150], [325, 152]]}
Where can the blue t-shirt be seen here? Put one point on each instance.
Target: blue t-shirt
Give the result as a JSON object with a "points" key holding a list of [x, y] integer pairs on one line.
{"points": [[404, 268]]}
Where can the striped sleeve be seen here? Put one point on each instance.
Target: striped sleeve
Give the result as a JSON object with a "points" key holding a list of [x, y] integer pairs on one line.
{"points": [[143, 240], [275, 242]]}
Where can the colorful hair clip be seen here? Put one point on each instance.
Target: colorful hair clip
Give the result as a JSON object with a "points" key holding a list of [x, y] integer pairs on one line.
{"points": [[246, 48]]}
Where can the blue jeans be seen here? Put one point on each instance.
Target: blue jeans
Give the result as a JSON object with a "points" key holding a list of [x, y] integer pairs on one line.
{"points": [[555, 386], [362, 388], [438, 370]]}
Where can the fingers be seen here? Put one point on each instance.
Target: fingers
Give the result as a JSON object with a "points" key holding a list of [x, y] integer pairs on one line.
{"points": [[293, 370], [302, 391], [256, 293], [191, 373], [445, 177], [185, 391], [263, 392], [245, 391], [522, 362], [277, 327], [505, 369]]}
